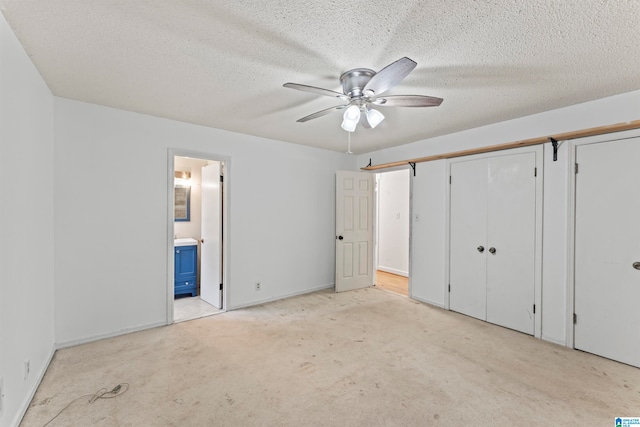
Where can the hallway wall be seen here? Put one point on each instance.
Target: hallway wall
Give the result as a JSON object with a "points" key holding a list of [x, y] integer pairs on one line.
{"points": [[393, 222]]}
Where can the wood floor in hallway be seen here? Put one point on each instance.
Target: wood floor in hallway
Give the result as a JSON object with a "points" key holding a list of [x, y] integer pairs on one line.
{"points": [[392, 282]]}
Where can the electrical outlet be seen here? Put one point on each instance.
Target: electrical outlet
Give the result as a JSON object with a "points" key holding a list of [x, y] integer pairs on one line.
{"points": [[257, 286], [27, 369]]}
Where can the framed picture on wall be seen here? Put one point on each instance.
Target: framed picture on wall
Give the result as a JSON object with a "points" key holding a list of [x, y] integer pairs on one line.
{"points": [[182, 203]]}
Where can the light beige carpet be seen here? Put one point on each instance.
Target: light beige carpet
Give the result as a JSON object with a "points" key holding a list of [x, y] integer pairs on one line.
{"points": [[362, 358]]}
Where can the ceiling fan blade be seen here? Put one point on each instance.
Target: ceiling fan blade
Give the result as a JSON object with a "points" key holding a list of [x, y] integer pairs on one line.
{"points": [[389, 76], [316, 90], [407, 101], [321, 113]]}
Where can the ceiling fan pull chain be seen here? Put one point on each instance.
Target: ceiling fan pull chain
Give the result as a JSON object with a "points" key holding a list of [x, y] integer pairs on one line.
{"points": [[349, 143]]}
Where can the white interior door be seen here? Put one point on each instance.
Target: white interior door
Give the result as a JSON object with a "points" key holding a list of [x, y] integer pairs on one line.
{"points": [[468, 238], [511, 231], [607, 244], [354, 230], [211, 246]]}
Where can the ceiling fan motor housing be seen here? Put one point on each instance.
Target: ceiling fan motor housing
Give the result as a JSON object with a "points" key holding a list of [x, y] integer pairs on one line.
{"points": [[354, 81]]}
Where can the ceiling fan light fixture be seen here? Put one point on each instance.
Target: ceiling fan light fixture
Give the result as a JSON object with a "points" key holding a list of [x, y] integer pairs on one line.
{"points": [[374, 117], [351, 118], [361, 88]]}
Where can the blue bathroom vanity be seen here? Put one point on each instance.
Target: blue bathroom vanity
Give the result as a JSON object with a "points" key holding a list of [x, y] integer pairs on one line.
{"points": [[185, 255]]}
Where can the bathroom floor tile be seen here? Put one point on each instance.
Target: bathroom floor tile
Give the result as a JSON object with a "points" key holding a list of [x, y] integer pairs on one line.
{"points": [[189, 308]]}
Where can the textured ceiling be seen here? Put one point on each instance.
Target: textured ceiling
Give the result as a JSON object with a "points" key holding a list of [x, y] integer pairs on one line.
{"points": [[222, 63]]}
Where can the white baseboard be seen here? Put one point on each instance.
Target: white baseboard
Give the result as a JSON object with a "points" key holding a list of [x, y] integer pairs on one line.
{"points": [[279, 297], [393, 271], [71, 343], [426, 301], [554, 341], [32, 391]]}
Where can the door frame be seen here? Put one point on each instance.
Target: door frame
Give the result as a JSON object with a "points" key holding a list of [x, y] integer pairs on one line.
{"points": [[571, 234], [226, 253], [539, 164], [376, 200], [374, 257]]}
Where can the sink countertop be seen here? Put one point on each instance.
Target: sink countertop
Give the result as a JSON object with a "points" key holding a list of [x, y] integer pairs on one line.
{"points": [[187, 241]]}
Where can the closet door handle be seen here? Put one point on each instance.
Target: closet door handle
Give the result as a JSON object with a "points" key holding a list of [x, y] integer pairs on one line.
{"points": [[480, 249], [492, 250]]}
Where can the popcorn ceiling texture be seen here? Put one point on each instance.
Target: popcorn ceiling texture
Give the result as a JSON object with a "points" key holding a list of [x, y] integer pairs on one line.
{"points": [[222, 63]]}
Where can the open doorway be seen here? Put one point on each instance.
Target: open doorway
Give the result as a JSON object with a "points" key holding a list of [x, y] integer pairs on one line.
{"points": [[392, 231], [197, 221]]}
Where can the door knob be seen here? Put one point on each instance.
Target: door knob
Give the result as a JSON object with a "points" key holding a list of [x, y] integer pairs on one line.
{"points": [[480, 249], [492, 250], [340, 237], [636, 265]]}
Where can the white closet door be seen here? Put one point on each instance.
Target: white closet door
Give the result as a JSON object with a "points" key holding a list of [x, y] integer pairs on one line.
{"points": [[468, 238], [511, 235], [607, 244]]}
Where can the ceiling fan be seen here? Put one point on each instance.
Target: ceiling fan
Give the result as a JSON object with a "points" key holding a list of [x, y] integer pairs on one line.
{"points": [[362, 88]]}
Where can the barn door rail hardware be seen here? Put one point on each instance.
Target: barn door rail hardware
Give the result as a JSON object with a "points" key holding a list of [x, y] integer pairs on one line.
{"points": [[554, 142], [413, 166], [566, 136]]}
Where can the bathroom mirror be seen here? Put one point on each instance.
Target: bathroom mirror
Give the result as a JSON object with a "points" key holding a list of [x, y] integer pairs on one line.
{"points": [[182, 203]]}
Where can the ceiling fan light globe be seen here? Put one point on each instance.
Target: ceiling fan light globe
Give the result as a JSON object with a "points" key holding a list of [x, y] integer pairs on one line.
{"points": [[352, 113], [349, 125], [351, 118], [374, 117]]}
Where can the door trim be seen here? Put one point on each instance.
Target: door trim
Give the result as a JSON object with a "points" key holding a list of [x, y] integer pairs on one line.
{"points": [[571, 232], [539, 156], [226, 253]]}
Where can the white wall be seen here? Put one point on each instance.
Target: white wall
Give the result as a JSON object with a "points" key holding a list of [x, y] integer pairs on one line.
{"points": [[191, 228], [26, 226], [393, 222], [429, 197], [111, 216], [428, 232]]}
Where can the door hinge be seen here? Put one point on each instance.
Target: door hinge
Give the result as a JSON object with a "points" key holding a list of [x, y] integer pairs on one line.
{"points": [[535, 171], [449, 179], [221, 178], [534, 309], [449, 287], [576, 168], [220, 286], [575, 318]]}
